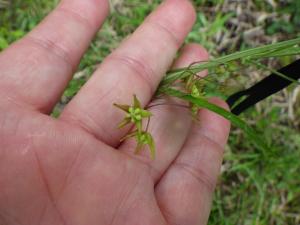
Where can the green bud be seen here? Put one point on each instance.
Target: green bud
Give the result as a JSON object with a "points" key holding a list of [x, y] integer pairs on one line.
{"points": [[130, 109], [138, 117], [136, 111]]}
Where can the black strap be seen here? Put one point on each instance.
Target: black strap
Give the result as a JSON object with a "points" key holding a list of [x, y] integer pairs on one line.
{"points": [[263, 89]]}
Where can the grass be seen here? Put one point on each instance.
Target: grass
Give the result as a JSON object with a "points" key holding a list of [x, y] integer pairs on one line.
{"points": [[235, 120], [256, 187]]}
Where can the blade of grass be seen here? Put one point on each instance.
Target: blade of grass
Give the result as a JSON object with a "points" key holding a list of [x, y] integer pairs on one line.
{"points": [[235, 120], [254, 53], [285, 52]]}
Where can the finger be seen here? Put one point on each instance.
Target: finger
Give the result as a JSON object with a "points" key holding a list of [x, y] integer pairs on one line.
{"points": [[36, 69], [136, 67], [170, 124], [185, 192]]}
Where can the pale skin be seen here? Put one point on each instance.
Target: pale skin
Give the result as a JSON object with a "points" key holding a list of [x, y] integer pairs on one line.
{"points": [[73, 170]]}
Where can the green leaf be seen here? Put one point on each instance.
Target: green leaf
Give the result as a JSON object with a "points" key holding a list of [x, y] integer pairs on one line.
{"points": [[253, 53], [235, 120]]}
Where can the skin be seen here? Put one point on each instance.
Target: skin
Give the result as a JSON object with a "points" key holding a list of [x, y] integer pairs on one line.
{"points": [[73, 170]]}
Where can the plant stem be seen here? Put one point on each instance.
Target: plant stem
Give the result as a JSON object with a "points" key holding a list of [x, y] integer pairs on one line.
{"points": [[266, 51]]}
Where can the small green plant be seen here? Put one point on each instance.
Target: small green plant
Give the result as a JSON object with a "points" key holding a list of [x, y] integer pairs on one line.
{"points": [[195, 95], [135, 115]]}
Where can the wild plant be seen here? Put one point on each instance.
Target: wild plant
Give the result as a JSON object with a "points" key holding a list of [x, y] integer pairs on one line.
{"points": [[194, 93]]}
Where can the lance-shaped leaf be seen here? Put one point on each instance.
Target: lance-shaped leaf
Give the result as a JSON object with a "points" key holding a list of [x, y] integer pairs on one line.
{"points": [[203, 103]]}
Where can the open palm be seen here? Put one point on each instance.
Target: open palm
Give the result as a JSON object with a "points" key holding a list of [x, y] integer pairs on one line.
{"points": [[73, 170]]}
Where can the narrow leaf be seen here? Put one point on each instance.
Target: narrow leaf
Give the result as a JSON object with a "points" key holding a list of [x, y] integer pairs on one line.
{"points": [[235, 120], [253, 53]]}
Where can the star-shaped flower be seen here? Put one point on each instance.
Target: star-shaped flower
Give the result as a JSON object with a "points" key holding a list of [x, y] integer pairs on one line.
{"points": [[134, 114]]}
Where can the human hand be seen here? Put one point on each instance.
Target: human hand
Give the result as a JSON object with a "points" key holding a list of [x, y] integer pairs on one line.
{"points": [[72, 170]]}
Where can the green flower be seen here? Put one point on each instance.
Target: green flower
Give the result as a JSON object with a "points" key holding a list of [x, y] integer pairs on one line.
{"points": [[143, 139], [196, 92], [134, 114]]}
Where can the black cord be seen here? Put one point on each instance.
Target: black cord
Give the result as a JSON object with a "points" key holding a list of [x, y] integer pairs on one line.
{"points": [[265, 88]]}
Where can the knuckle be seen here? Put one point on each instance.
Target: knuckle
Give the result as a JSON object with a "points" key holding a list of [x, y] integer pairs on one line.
{"points": [[140, 70], [50, 47]]}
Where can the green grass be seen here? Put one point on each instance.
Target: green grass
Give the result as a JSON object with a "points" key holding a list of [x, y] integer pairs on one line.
{"points": [[255, 187]]}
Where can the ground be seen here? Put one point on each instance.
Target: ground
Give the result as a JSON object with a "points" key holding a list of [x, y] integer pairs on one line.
{"points": [[255, 187]]}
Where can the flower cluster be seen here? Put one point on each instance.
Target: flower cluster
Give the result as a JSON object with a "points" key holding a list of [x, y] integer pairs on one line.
{"points": [[195, 87], [135, 115]]}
